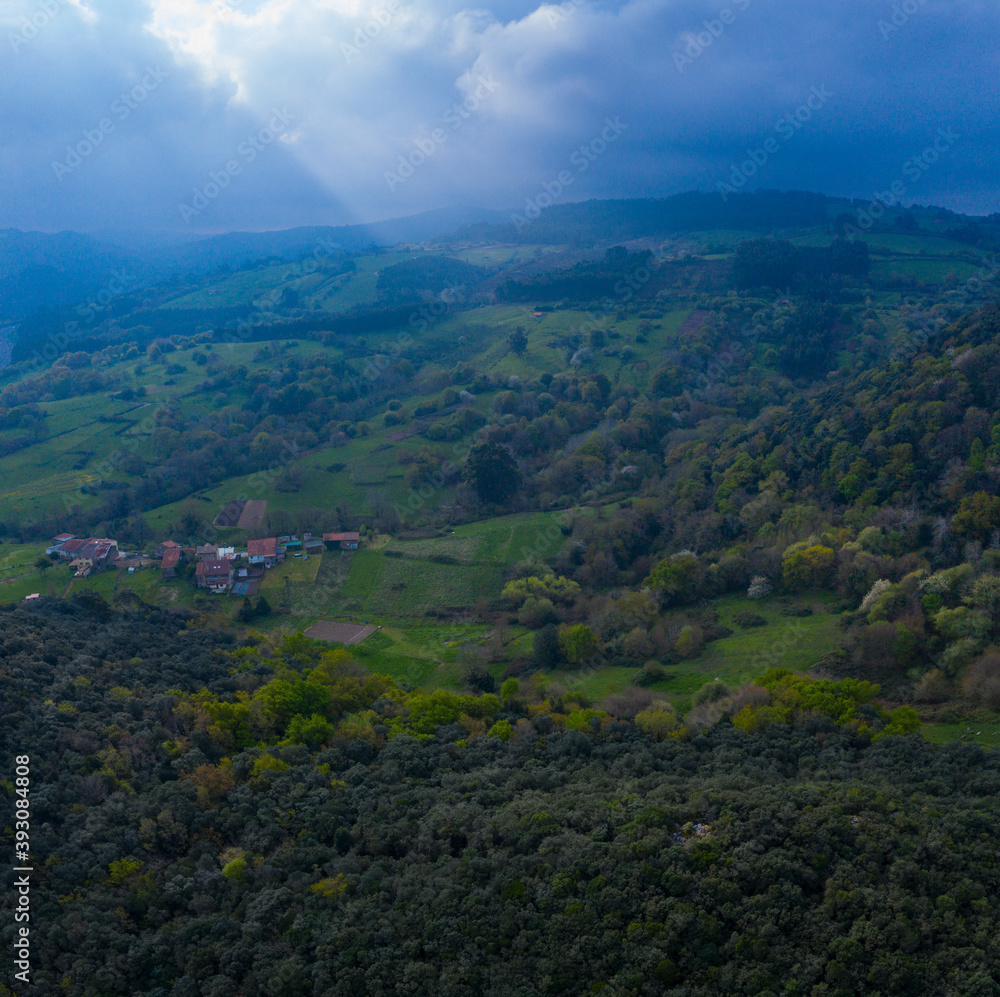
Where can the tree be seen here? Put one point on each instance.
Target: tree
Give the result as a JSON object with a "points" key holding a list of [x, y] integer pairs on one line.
{"points": [[510, 688], [675, 575], [659, 721], [578, 643], [545, 646], [518, 341], [493, 472], [43, 564], [978, 515], [808, 568]]}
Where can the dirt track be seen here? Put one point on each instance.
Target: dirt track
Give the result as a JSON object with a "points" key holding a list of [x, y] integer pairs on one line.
{"points": [[342, 633]]}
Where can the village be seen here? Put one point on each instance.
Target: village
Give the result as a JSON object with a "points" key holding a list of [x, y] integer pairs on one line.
{"points": [[219, 570]]}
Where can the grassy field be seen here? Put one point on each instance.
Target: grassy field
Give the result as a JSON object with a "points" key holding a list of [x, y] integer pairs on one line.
{"points": [[934, 271], [88, 434], [380, 586], [325, 288], [420, 655], [784, 642], [985, 734]]}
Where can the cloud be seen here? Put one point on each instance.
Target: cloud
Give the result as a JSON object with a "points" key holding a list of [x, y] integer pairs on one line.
{"points": [[509, 92]]}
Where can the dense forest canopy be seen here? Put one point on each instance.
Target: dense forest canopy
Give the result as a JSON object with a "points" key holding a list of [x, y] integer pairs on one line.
{"points": [[408, 849]]}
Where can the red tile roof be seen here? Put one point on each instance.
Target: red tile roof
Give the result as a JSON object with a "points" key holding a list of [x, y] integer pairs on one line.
{"points": [[214, 568], [171, 558], [263, 548], [92, 547], [341, 536]]}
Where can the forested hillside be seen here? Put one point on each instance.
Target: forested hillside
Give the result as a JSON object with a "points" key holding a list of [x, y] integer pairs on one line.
{"points": [[673, 551], [326, 833]]}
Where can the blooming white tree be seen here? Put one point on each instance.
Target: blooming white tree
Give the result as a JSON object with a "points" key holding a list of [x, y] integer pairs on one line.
{"points": [[882, 585]]}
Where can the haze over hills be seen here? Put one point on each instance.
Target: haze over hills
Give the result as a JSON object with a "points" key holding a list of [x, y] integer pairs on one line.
{"points": [[52, 271], [43, 270]]}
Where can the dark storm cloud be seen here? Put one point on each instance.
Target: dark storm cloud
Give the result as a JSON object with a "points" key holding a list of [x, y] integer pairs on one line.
{"points": [[201, 116]]}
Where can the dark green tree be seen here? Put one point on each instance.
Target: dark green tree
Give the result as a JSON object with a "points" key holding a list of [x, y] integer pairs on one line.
{"points": [[518, 341], [545, 646], [493, 472]]}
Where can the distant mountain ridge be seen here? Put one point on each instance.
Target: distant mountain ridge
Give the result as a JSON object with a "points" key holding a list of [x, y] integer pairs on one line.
{"points": [[38, 269], [43, 270], [51, 271]]}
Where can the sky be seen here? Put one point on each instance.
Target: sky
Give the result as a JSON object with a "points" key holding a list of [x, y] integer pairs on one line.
{"points": [[193, 116]]}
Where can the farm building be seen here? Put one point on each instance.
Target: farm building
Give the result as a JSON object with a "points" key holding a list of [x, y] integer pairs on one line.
{"points": [[162, 548], [207, 552], [345, 541], [246, 581], [94, 553], [170, 562], [58, 541], [263, 552], [216, 576]]}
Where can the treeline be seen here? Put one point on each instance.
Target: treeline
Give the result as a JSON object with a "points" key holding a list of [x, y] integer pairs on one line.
{"points": [[410, 280], [779, 264], [610, 277], [597, 222]]}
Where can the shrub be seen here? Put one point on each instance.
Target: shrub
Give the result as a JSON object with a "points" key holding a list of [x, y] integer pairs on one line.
{"points": [[748, 619], [268, 763], [650, 673], [711, 692], [880, 587], [932, 687], [502, 730], [659, 721], [235, 870]]}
